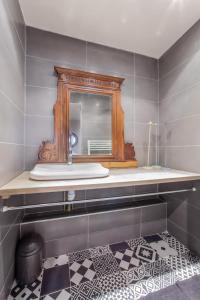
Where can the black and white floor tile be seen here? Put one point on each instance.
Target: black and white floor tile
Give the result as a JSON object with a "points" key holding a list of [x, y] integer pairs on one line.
{"points": [[31, 291], [136, 242], [82, 271], [87, 291], [56, 261], [101, 250], [127, 270], [79, 255], [105, 264]]}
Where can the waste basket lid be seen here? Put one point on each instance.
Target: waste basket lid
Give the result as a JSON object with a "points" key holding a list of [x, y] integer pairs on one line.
{"points": [[29, 244]]}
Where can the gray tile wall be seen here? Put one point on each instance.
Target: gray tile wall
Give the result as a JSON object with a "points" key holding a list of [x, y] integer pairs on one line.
{"points": [[140, 104], [12, 78], [139, 91], [179, 87], [81, 232]]}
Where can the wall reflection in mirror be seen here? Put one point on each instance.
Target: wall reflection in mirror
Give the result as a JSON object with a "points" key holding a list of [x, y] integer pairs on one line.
{"points": [[90, 118]]}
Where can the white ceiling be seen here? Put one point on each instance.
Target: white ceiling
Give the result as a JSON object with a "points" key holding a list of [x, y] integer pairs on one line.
{"points": [[148, 27]]}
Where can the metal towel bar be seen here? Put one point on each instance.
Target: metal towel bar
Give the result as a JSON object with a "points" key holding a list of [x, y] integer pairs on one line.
{"points": [[8, 208]]}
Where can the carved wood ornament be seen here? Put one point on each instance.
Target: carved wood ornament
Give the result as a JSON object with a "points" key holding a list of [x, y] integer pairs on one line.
{"points": [[75, 80]]}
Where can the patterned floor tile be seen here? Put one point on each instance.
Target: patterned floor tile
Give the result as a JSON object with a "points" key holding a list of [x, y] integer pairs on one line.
{"points": [[55, 279], [125, 293], [79, 255], [105, 265], [152, 284], [60, 295], [129, 258], [184, 266], [146, 254], [128, 270], [86, 291], [119, 246], [157, 268], [126, 259], [136, 242], [136, 274], [55, 261], [31, 291], [152, 238], [163, 249], [174, 243], [112, 282], [98, 251], [82, 271]]}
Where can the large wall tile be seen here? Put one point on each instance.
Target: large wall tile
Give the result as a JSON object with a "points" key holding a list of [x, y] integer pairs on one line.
{"points": [[17, 18], [111, 192], [44, 198], [67, 244], [146, 66], [40, 101], [40, 72], [11, 217], [53, 46], [106, 59], [38, 129], [114, 227], [180, 106], [113, 235], [142, 135], [8, 283], [179, 139], [178, 158], [12, 78], [12, 161], [11, 122], [57, 228], [181, 132], [146, 111], [178, 212], [141, 155], [31, 156], [7, 252], [181, 78], [184, 49], [153, 219], [146, 89]]}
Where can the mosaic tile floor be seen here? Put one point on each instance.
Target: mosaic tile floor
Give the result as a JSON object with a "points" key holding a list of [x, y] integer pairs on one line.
{"points": [[128, 270]]}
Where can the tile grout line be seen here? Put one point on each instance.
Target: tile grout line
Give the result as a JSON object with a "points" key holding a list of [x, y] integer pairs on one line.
{"points": [[40, 87], [14, 26], [134, 101], [9, 143], [11, 102], [25, 101], [14, 223], [197, 83], [100, 70], [5, 281]]}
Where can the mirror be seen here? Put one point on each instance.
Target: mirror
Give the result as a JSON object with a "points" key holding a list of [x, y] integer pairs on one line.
{"points": [[90, 122]]}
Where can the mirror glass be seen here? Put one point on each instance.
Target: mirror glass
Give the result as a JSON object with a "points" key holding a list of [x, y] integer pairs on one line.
{"points": [[90, 118]]}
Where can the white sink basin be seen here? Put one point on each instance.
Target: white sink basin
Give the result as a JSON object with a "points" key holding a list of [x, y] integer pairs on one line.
{"points": [[60, 171]]}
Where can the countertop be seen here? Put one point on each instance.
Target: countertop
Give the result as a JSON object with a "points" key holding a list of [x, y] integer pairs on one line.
{"points": [[118, 178]]}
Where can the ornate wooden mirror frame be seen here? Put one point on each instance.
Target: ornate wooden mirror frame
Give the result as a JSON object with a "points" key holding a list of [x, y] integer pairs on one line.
{"points": [[80, 81]]}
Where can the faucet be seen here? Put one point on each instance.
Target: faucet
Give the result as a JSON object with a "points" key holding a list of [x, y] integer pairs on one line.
{"points": [[69, 154]]}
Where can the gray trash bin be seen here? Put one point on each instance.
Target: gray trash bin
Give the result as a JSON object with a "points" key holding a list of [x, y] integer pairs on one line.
{"points": [[29, 258]]}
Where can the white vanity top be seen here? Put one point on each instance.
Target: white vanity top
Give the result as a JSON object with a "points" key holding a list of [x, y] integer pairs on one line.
{"points": [[118, 178]]}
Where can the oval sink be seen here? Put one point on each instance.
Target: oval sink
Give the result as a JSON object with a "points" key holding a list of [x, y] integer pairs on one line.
{"points": [[61, 171]]}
